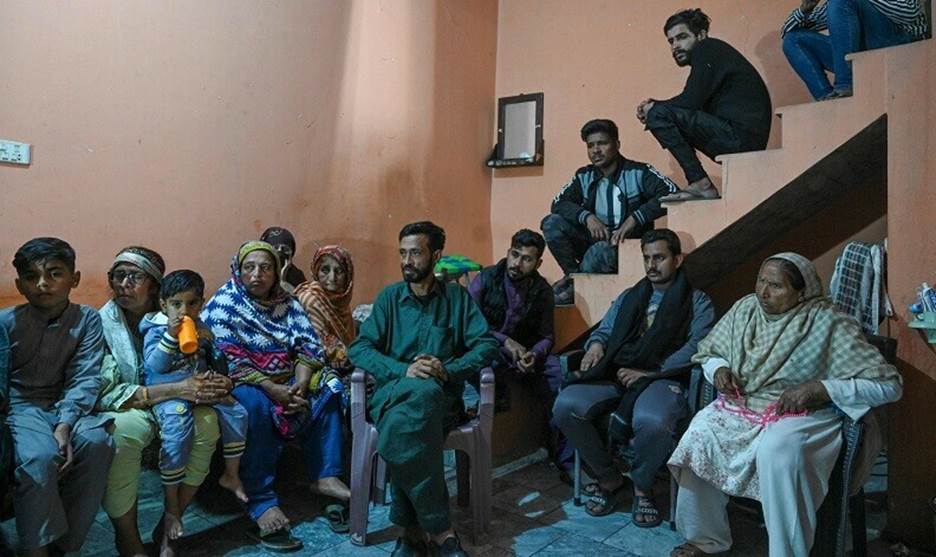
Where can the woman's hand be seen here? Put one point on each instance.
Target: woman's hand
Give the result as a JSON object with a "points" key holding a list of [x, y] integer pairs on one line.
{"points": [[297, 397], [299, 389], [213, 387], [280, 394], [286, 396], [187, 389], [200, 389], [298, 400], [727, 383], [805, 396]]}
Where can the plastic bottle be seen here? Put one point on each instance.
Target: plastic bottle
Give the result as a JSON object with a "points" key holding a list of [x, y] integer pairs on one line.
{"points": [[927, 297], [188, 336]]}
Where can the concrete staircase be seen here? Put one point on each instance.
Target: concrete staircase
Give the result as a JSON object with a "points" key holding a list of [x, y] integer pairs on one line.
{"points": [[826, 149]]}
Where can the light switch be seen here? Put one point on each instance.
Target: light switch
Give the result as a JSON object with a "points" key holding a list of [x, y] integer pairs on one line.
{"points": [[14, 152]]}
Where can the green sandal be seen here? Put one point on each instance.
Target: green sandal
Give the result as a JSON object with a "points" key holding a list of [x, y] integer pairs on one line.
{"points": [[337, 515], [279, 541]]}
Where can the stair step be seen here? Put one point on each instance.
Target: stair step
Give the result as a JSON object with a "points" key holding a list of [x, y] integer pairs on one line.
{"points": [[696, 221], [811, 132], [594, 292]]}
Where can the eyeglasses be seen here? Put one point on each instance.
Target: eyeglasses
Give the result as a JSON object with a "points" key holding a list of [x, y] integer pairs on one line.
{"points": [[132, 277]]}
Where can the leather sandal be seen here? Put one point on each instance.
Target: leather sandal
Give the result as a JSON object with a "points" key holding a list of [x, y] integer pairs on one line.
{"points": [[645, 507]]}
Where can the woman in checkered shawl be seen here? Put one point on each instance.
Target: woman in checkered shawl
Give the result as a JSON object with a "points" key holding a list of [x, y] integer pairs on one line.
{"points": [[786, 364]]}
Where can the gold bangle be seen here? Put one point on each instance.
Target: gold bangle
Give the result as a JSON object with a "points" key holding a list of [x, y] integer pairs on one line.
{"points": [[145, 395]]}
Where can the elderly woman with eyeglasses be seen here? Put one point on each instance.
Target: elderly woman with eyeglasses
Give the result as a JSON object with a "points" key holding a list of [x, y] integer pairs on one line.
{"points": [[134, 279]]}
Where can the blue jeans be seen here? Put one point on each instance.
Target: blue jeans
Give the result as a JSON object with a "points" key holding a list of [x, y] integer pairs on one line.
{"points": [[854, 25], [321, 448], [177, 433], [575, 250]]}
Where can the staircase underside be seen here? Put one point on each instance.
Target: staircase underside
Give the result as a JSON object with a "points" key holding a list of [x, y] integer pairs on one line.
{"points": [[857, 163]]}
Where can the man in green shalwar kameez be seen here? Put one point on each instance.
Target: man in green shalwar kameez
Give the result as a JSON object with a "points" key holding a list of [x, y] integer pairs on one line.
{"points": [[424, 338]]}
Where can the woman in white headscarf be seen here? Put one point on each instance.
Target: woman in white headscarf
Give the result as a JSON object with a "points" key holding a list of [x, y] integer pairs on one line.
{"points": [[134, 279], [782, 359]]}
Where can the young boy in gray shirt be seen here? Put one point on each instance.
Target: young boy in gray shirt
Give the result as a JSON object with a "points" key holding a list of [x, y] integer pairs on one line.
{"points": [[61, 451]]}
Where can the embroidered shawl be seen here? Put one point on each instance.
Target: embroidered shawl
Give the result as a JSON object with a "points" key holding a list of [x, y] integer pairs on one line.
{"points": [[812, 340], [261, 339], [330, 312]]}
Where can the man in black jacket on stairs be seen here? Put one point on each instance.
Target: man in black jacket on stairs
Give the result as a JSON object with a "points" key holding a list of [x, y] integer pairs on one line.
{"points": [[611, 199], [724, 107]]}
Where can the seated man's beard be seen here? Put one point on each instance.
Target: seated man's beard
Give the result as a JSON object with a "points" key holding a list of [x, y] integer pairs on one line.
{"points": [[415, 274]]}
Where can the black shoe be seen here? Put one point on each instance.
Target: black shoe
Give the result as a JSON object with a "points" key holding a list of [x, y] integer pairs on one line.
{"points": [[565, 296], [561, 284], [451, 547], [566, 478], [407, 548]]}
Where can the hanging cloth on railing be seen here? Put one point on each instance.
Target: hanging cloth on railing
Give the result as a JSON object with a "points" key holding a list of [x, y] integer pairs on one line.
{"points": [[858, 287]]}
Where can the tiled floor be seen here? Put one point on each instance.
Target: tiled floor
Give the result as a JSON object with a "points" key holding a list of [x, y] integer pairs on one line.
{"points": [[533, 515]]}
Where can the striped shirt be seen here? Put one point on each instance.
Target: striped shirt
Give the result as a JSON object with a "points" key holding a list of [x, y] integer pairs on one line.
{"points": [[908, 15]]}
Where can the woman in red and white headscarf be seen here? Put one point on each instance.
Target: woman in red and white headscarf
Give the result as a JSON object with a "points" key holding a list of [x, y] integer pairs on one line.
{"points": [[327, 300]]}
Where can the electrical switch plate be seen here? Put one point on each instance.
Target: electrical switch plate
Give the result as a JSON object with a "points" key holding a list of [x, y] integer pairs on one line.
{"points": [[14, 152]]}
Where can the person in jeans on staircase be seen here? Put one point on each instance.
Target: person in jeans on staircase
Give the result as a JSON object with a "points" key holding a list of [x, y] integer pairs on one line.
{"points": [[636, 367], [724, 107], [611, 199], [853, 25]]}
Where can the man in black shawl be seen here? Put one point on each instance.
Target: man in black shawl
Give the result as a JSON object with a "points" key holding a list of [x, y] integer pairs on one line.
{"points": [[637, 367]]}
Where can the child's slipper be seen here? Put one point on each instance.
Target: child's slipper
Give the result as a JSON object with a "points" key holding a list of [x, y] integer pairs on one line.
{"points": [[337, 515]]}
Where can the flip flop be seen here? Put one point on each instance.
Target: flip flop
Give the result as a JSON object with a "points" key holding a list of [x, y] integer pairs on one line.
{"points": [[645, 507], [591, 489], [688, 195], [608, 501], [278, 541], [337, 515]]}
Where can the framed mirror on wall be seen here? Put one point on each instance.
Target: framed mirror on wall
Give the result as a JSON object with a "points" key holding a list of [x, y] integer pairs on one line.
{"points": [[519, 131]]}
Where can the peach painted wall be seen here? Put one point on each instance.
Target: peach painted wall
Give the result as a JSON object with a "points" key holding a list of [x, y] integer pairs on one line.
{"points": [[599, 59], [191, 126], [911, 165]]}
